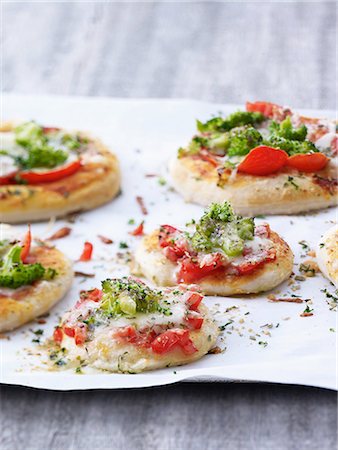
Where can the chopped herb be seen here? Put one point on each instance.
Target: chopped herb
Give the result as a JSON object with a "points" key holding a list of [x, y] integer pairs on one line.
{"points": [[222, 327], [123, 245], [263, 343]]}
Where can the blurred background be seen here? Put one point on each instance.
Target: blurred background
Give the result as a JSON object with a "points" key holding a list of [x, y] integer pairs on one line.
{"points": [[226, 52], [216, 51]]}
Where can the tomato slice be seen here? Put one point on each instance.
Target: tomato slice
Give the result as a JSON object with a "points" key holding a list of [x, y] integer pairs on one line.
{"points": [[190, 271], [172, 339], [58, 335], [94, 295], [312, 162], [263, 160], [87, 252], [167, 234], [52, 175], [266, 108], [138, 230], [80, 334], [193, 299], [195, 322], [69, 331], [26, 245], [7, 179]]}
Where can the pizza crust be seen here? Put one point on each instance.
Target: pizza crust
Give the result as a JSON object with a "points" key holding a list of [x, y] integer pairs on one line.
{"points": [[150, 262], [327, 255], [106, 354], [19, 306], [94, 184], [196, 180]]}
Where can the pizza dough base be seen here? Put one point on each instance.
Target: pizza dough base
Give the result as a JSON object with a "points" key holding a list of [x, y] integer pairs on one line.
{"points": [[106, 354], [94, 184], [150, 261], [327, 255], [196, 181], [19, 306]]}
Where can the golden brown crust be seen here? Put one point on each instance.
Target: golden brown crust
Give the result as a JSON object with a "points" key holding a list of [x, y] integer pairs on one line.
{"points": [[151, 262], [287, 192], [94, 184], [19, 306]]}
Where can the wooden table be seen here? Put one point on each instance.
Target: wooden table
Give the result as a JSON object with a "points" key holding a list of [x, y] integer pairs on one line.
{"points": [[224, 52]]}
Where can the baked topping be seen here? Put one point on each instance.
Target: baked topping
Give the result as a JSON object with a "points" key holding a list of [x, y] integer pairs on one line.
{"points": [[222, 243], [129, 312]]}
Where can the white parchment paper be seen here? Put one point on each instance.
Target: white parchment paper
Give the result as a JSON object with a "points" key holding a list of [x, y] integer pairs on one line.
{"points": [[261, 341]]}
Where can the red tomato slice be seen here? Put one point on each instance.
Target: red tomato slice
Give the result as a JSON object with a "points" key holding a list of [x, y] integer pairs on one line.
{"points": [[171, 339], [249, 267], [138, 230], [312, 162], [80, 334], [58, 335], [128, 333], [95, 295], [7, 179], [195, 322], [52, 175], [26, 245], [191, 271], [87, 252], [166, 235], [193, 300], [263, 160], [69, 331], [266, 108]]}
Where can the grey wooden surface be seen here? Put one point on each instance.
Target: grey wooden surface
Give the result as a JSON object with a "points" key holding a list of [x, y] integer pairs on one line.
{"points": [[224, 52]]}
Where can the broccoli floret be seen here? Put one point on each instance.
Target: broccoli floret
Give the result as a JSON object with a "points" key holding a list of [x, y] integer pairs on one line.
{"points": [[30, 134], [241, 141], [221, 229], [45, 156], [291, 147], [39, 153], [126, 296], [237, 119], [286, 130], [13, 273]]}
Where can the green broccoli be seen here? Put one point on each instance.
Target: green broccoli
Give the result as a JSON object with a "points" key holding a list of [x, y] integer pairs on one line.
{"points": [[242, 140], [39, 153], [286, 130], [30, 134], [13, 273], [126, 296], [221, 229], [237, 119], [38, 157], [291, 147]]}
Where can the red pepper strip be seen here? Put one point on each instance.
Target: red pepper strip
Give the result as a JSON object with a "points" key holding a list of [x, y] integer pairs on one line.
{"points": [[138, 230], [86, 255], [312, 162], [51, 175], [26, 245], [263, 160]]}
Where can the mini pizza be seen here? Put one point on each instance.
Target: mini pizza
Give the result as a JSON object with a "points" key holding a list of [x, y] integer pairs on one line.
{"points": [[32, 280], [225, 255], [265, 160], [327, 255], [49, 172], [128, 327]]}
